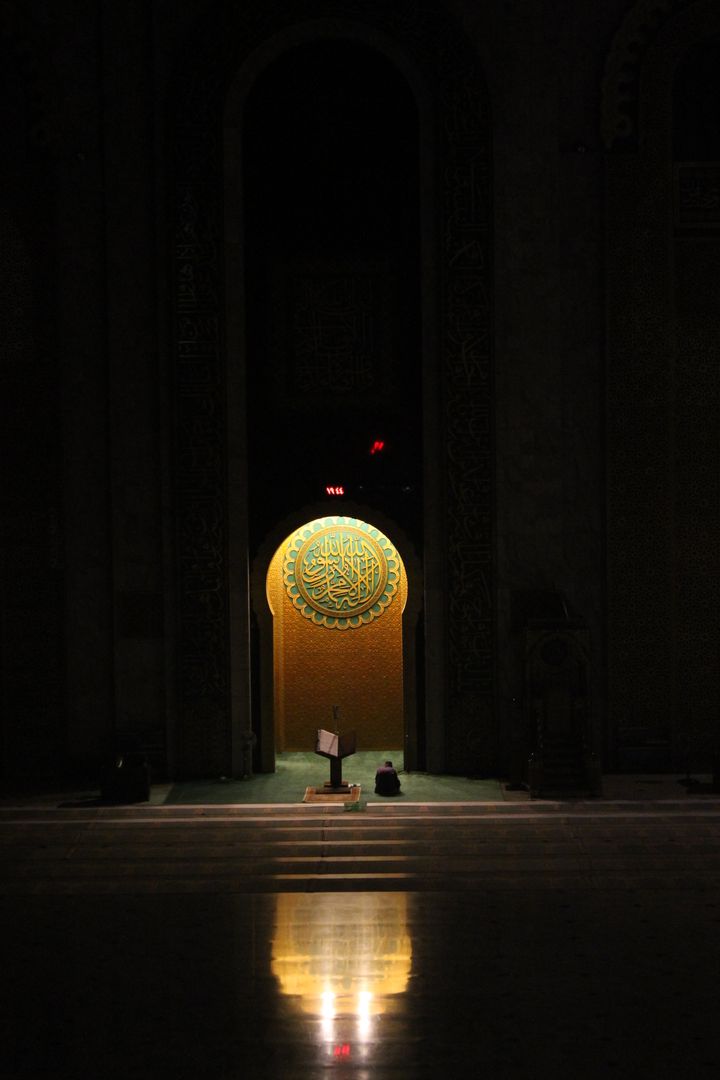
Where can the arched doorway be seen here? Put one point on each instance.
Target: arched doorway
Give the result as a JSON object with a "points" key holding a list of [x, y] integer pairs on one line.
{"points": [[330, 297], [215, 693], [337, 589], [336, 603]]}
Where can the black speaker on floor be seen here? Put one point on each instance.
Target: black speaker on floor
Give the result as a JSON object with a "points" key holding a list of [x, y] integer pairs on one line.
{"points": [[126, 777]]}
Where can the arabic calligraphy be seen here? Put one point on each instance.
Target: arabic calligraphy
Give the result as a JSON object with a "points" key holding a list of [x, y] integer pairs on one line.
{"points": [[341, 575]]}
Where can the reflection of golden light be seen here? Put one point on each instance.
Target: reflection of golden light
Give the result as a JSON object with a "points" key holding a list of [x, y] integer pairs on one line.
{"points": [[364, 1014], [342, 954], [327, 1013]]}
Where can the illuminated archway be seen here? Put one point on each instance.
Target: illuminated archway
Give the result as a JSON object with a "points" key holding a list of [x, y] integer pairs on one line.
{"points": [[337, 588]]}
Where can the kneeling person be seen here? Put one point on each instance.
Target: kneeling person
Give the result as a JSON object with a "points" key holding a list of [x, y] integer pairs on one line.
{"points": [[387, 781]]}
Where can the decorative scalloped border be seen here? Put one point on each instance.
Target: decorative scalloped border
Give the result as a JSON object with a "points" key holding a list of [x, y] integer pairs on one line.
{"points": [[339, 622]]}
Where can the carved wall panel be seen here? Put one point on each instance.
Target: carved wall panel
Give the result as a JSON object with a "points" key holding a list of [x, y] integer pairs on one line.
{"points": [[32, 671], [31, 558], [662, 392], [329, 336], [200, 496], [697, 500], [623, 68], [333, 330], [697, 195], [467, 379]]}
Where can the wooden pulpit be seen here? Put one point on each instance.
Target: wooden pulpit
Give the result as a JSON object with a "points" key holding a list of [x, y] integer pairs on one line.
{"points": [[335, 747]]}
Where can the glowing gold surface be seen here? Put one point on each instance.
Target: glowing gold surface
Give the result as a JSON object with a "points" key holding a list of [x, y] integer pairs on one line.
{"points": [[340, 572], [342, 954], [315, 668], [325, 587]]}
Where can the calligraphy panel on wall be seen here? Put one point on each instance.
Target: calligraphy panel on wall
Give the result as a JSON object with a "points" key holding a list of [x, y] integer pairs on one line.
{"points": [[329, 328], [342, 574]]}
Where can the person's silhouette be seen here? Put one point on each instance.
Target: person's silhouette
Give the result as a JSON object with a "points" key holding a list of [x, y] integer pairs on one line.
{"points": [[387, 781]]}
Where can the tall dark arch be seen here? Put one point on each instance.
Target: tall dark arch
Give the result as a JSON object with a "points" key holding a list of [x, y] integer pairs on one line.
{"points": [[209, 459], [328, 147]]}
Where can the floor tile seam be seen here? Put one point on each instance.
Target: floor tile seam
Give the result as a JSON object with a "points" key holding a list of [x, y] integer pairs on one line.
{"points": [[201, 814], [424, 880], [436, 838], [522, 833], [412, 884], [575, 871], [346, 851], [366, 849], [244, 850], [416, 852], [84, 859], [512, 804], [496, 863], [230, 827], [531, 859], [206, 885], [484, 860], [362, 882], [528, 847], [518, 841], [438, 835], [508, 806], [240, 844], [267, 874], [369, 825], [688, 815], [166, 824]]}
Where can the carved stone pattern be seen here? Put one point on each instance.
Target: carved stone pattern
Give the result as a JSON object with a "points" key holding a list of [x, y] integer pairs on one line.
{"points": [[621, 78], [333, 334], [639, 550], [200, 499], [31, 584], [32, 655], [697, 500], [467, 370], [697, 196], [216, 50], [662, 487], [19, 37], [639, 499]]}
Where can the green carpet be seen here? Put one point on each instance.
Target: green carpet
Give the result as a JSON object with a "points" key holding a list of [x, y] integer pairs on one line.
{"points": [[295, 771]]}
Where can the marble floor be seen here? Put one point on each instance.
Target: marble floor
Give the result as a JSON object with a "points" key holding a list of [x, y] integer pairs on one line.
{"points": [[516, 940]]}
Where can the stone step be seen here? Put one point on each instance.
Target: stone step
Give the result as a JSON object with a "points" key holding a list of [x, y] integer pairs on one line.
{"points": [[409, 847]]}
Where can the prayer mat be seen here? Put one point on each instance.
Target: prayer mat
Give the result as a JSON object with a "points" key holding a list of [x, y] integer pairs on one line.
{"points": [[317, 795]]}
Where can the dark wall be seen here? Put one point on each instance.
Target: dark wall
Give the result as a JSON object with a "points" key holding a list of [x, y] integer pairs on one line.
{"points": [[31, 586], [332, 232], [585, 331]]}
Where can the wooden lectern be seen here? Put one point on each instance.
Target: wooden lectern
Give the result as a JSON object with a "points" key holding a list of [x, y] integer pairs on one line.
{"points": [[335, 747]]}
